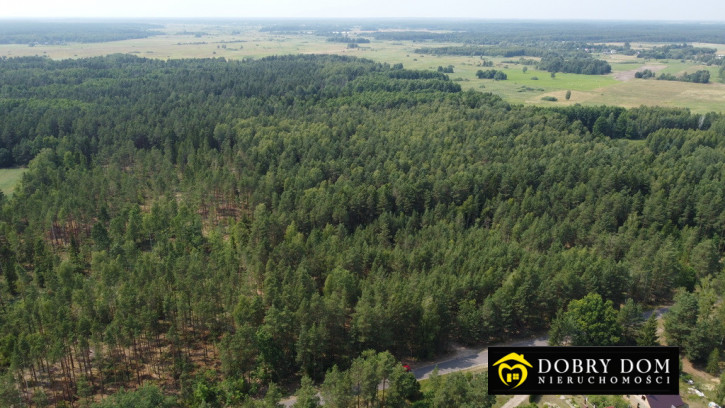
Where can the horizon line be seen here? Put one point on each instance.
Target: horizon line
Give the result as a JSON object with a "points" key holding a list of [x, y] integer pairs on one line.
{"points": [[353, 19]]}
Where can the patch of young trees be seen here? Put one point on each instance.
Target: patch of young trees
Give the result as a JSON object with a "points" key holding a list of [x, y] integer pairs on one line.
{"points": [[574, 65], [646, 74], [700, 77], [348, 40], [491, 74], [678, 52], [487, 50]]}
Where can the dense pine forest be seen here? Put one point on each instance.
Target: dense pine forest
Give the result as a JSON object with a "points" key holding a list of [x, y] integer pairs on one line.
{"points": [[210, 230]]}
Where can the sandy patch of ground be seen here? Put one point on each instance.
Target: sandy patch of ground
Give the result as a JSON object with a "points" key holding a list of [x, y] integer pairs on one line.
{"points": [[627, 75]]}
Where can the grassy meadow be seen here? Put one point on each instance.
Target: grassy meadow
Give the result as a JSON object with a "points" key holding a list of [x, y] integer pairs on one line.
{"points": [[9, 178], [233, 42]]}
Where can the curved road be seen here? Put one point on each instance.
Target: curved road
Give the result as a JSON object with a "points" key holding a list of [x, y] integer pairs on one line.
{"points": [[473, 358]]}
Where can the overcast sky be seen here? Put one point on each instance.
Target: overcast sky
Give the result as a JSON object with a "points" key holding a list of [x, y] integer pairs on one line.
{"points": [[677, 10]]}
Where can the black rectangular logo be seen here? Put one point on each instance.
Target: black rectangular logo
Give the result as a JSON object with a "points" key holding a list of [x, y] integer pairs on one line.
{"points": [[583, 370]]}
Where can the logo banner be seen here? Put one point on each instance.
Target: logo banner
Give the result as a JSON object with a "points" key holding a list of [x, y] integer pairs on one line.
{"points": [[583, 370]]}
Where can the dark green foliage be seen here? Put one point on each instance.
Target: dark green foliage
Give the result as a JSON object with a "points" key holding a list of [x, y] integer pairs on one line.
{"points": [[348, 40], [646, 74], [630, 319], [277, 217], [701, 341], [699, 77], [695, 322], [508, 52], [549, 98], [647, 335], [373, 379], [491, 74], [552, 32], [680, 319], [678, 52], [6, 158], [636, 123], [574, 65]]}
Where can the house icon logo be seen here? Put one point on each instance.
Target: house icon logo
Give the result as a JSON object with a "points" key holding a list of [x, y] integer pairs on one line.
{"points": [[516, 373]]}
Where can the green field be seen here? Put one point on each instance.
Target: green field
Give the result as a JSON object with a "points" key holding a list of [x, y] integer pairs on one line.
{"points": [[618, 88], [9, 178]]}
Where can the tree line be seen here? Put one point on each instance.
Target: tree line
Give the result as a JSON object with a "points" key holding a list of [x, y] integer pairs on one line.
{"points": [[574, 65], [565, 58], [678, 51], [491, 32], [699, 77], [46, 32], [348, 40]]}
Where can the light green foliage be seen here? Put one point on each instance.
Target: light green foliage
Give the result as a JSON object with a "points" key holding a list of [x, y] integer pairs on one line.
{"points": [[459, 390], [306, 394], [721, 389], [9, 179], [589, 321], [148, 396], [337, 390], [271, 398], [9, 393], [713, 362], [374, 379]]}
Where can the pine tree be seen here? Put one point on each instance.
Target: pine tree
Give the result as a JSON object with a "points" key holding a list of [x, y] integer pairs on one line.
{"points": [[647, 335], [713, 362], [306, 394]]}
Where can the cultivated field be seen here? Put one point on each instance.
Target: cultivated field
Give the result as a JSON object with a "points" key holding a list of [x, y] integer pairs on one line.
{"points": [[234, 42]]}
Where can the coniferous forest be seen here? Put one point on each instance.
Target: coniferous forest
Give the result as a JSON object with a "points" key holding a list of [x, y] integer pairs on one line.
{"points": [[211, 232]]}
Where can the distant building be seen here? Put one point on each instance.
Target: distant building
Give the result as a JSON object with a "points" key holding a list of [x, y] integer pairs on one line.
{"points": [[660, 401]]}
